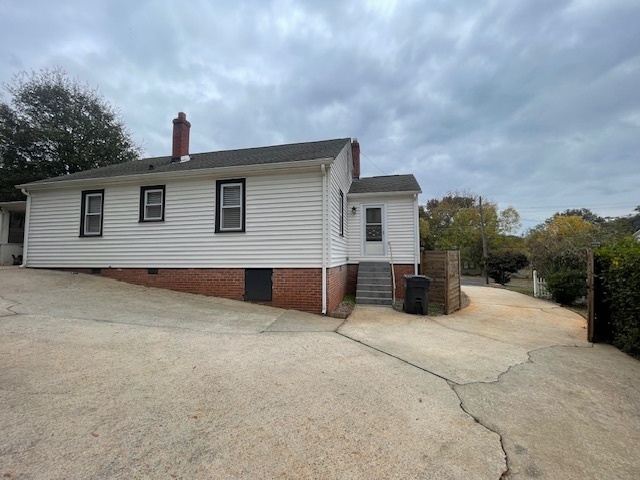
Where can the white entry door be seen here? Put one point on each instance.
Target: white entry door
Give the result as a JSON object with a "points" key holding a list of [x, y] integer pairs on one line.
{"points": [[374, 234]]}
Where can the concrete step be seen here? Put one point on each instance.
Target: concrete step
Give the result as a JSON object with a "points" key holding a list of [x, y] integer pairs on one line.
{"points": [[386, 282], [374, 287], [374, 274], [373, 301], [374, 284], [371, 294]]}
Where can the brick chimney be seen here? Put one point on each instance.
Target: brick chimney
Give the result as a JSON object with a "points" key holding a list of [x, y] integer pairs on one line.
{"points": [[355, 154], [181, 129]]}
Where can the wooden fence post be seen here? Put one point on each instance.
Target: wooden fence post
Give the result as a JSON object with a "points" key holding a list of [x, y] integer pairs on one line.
{"points": [[446, 283], [591, 295]]}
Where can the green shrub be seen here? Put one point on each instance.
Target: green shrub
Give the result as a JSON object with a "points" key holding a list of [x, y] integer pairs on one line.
{"points": [[619, 266], [567, 285], [501, 265]]}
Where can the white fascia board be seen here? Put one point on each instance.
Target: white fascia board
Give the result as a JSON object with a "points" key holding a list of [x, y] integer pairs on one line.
{"points": [[383, 194], [180, 174]]}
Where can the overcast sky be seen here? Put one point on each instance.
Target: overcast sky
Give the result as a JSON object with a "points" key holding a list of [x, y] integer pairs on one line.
{"points": [[534, 104]]}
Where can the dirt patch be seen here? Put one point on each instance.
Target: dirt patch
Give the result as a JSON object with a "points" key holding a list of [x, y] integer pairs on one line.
{"points": [[344, 310], [465, 301]]}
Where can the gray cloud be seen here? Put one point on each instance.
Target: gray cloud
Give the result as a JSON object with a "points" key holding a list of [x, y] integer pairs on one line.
{"points": [[533, 104]]}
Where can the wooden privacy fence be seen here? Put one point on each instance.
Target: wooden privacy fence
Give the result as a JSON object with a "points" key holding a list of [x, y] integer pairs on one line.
{"points": [[443, 267]]}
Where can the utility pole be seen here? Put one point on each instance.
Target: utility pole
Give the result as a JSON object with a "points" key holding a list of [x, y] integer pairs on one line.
{"points": [[485, 253]]}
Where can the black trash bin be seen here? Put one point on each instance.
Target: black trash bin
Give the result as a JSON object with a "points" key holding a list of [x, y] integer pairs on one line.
{"points": [[416, 294]]}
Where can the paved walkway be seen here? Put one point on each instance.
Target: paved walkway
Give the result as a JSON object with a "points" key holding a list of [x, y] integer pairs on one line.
{"points": [[102, 379]]}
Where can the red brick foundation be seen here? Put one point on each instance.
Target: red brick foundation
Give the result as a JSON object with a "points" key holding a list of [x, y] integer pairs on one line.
{"points": [[352, 278], [336, 286], [296, 288], [400, 272]]}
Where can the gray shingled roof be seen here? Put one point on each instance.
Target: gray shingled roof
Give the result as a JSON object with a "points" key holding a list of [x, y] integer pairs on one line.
{"points": [[386, 184], [293, 152]]}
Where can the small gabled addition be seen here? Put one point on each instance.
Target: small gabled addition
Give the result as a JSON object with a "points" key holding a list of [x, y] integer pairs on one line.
{"points": [[230, 205], [91, 213], [152, 203]]}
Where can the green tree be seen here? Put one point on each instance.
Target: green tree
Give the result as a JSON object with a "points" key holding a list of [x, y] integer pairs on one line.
{"points": [[454, 220], [584, 213], [620, 276], [560, 243], [54, 125], [615, 229], [502, 265]]}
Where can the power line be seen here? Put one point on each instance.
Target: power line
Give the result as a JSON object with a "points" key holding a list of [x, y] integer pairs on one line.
{"points": [[385, 173], [588, 206], [388, 174], [534, 208]]}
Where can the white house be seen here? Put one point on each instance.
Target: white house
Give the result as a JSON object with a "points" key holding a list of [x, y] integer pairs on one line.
{"points": [[285, 225], [12, 219]]}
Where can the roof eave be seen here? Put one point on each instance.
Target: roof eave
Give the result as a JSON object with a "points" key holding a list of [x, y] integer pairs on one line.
{"points": [[179, 174], [377, 194]]}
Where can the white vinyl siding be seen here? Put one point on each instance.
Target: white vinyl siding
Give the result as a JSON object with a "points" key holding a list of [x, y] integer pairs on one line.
{"points": [[400, 228], [340, 181], [283, 227]]}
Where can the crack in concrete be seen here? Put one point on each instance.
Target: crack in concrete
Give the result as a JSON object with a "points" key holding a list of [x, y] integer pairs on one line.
{"points": [[266, 330], [505, 473], [145, 325], [455, 385], [14, 303], [451, 385], [528, 360], [391, 355]]}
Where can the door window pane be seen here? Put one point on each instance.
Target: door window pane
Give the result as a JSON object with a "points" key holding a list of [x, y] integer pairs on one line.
{"points": [[373, 227], [374, 233], [374, 215]]}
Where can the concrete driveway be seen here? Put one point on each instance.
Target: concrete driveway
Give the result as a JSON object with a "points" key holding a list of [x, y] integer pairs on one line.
{"points": [[102, 379]]}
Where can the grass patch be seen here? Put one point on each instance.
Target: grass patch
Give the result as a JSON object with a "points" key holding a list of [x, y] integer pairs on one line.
{"points": [[349, 299], [579, 309], [518, 289], [435, 309]]}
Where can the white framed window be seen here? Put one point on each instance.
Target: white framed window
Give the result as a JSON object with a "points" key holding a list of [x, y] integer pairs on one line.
{"points": [[230, 205], [152, 203], [91, 219]]}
